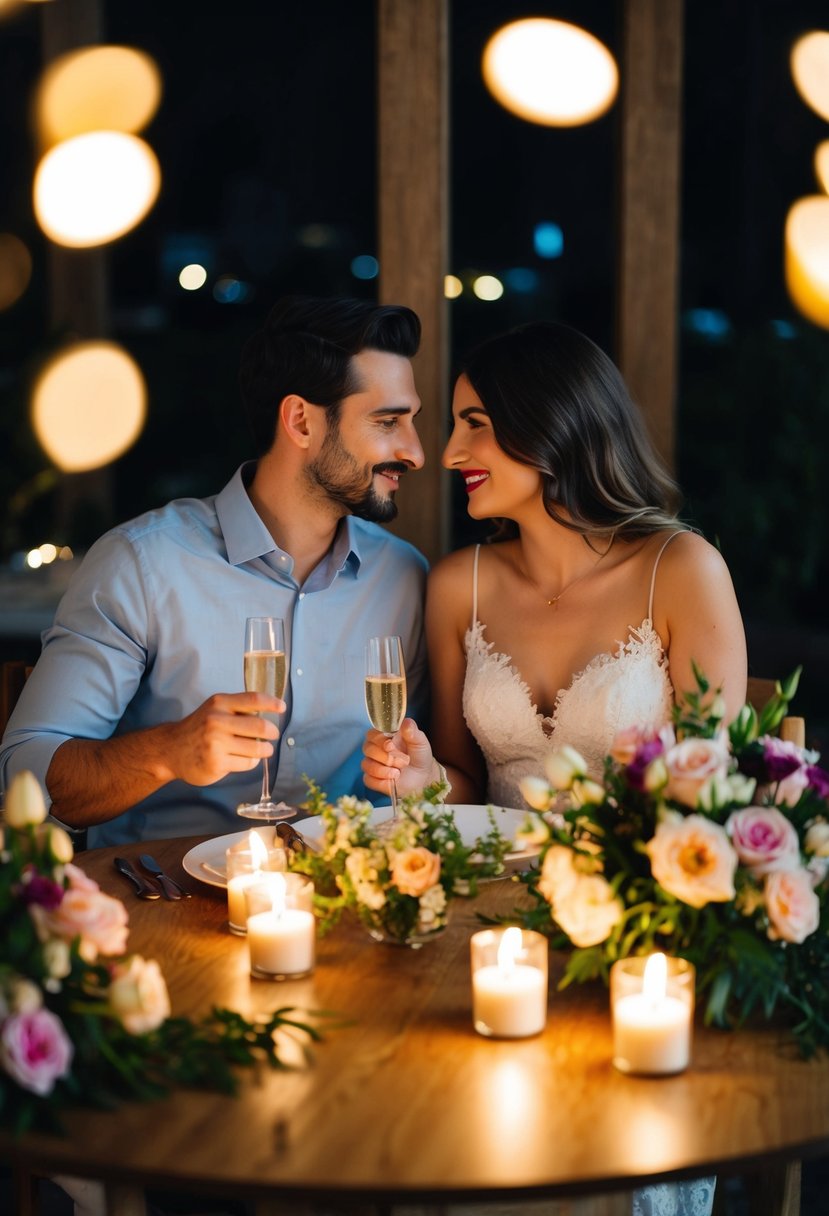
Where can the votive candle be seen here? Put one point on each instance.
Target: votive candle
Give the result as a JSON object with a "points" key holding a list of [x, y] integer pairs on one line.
{"points": [[652, 1003], [509, 982], [245, 867], [282, 937]]}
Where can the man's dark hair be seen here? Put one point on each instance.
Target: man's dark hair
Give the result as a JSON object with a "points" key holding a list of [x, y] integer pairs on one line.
{"points": [[306, 347]]}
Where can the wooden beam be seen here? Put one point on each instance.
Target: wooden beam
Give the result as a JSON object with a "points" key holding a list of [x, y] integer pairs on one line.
{"points": [[651, 93], [413, 229]]}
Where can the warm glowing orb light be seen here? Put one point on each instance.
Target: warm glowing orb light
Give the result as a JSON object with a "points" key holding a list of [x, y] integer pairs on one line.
{"points": [[88, 405], [810, 69], [15, 269], [95, 187], [550, 72], [487, 287], [452, 286], [192, 277], [822, 165], [100, 88], [807, 257]]}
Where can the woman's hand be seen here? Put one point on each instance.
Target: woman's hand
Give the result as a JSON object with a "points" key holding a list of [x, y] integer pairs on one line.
{"points": [[406, 758]]}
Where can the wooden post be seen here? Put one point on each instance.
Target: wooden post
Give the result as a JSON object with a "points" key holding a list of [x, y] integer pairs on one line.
{"points": [[651, 89], [413, 230]]}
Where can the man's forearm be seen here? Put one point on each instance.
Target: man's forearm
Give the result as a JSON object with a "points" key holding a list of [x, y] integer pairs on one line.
{"points": [[93, 780]]}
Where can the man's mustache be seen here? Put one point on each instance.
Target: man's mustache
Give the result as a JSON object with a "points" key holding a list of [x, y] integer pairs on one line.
{"points": [[391, 467]]}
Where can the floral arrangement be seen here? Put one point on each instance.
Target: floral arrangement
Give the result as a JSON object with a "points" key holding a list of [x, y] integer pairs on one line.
{"points": [[399, 877], [701, 841], [79, 1023]]}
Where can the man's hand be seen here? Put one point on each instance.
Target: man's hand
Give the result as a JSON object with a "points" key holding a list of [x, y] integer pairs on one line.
{"points": [[224, 735]]}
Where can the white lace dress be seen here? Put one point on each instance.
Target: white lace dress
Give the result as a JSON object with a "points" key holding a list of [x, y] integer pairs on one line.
{"points": [[629, 687]]}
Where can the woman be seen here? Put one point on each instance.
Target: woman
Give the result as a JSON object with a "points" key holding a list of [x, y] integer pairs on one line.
{"points": [[588, 615]]}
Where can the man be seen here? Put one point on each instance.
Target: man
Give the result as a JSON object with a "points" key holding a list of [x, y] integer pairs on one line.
{"points": [[133, 718]]}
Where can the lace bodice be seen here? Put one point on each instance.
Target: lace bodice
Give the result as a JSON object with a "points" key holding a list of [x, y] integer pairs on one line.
{"points": [[629, 687]]}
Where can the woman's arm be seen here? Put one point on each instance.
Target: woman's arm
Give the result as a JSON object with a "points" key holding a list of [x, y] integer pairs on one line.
{"points": [[697, 616]]}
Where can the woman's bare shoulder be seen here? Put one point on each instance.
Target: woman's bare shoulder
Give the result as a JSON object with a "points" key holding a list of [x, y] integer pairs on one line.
{"points": [[689, 555]]}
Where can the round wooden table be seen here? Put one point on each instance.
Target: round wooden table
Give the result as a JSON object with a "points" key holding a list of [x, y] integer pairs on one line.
{"points": [[407, 1103]]}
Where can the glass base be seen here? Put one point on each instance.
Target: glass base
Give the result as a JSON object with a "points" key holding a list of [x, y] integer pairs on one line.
{"points": [[413, 940], [258, 973], [266, 812]]}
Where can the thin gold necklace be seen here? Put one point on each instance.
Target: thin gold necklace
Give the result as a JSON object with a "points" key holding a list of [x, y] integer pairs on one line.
{"points": [[553, 602]]}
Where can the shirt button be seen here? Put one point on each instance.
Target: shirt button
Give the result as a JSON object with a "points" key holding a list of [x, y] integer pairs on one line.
{"points": [[299, 671], [282, 558], [302, 595], [290, 742]]}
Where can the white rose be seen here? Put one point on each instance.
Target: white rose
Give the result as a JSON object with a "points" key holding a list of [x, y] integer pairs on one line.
{"points": [[587, 792], [60, 844], [536, 792], [23, 996], [138, 995], [533, 831], [24, 801], [817, 838], [558, 873], [563, 766], [588, 911], [57, 958]]}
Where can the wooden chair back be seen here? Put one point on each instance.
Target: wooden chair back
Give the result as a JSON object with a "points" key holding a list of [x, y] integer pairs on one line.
{"points": [[13, 675], [760, 690]]}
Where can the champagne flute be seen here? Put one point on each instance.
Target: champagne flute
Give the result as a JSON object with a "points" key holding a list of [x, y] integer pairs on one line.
{"points": [[266, 670], [386, 691]]}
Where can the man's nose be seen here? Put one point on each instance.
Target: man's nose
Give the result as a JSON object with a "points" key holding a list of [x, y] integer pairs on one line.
{"points": [[410, 451]]}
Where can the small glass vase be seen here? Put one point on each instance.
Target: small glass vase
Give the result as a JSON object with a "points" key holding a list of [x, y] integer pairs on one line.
{"points": [[381, 932]]}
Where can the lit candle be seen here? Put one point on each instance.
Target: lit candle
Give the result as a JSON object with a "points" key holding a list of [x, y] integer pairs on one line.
{"points": [[509, 982], [282, 939], [653, 1005], [245, 867]]}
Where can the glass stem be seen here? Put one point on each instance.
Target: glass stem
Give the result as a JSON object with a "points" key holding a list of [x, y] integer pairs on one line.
{"points": [[393, 792], [266, 781]]}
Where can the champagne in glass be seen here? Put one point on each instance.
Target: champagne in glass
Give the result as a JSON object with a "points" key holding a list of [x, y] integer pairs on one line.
{"points": [[266, 671], [386, 691]]}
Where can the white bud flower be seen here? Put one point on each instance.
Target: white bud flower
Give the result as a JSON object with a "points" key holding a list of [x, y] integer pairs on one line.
{"points": [[24, 801]]}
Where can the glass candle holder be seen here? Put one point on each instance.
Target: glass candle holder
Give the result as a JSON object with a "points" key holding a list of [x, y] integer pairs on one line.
{"points": [[281, 926], [652, 1006], [245, 867], [509, 982]]}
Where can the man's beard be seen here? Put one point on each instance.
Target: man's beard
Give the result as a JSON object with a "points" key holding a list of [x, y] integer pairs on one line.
{"points": [[350, 485]]}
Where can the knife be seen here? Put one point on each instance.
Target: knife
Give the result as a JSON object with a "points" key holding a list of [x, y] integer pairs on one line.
{"points": [[144, 889], [170, 889]]}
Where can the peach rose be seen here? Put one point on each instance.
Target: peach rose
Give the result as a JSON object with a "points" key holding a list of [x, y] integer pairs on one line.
{"points": [[138, 995], [99, 920], [558, 874], [588, 911], [415, 870], [692, 859], [691, 764], [792, 905], [764, 839]]}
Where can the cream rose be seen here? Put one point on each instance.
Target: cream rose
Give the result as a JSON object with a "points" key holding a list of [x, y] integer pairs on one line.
{"points": [[691, 764], [817, 838], [24, 804], [138, 995], [415, 870], [563, 766], [536, 792], [692, 859], [533, 831], [558, 873], [792, 905], [764, 839], [588, 911]]}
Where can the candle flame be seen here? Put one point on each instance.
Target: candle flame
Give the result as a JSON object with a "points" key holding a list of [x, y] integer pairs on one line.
{"points": [[655, 979], [510, 948], [258, 852], [279, 890]]}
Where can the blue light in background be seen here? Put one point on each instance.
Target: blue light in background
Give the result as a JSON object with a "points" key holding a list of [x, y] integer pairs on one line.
{"points": [[364, 266], [710, 323], [783, 329], [522, 280], [228, 290], [548, 240]]}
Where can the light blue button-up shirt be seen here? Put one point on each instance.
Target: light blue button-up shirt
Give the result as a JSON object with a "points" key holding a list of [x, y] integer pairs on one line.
{"points": [[153, 624]]}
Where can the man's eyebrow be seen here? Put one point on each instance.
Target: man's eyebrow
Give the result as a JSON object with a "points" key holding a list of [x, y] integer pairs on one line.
{"points": [[385, 410]]}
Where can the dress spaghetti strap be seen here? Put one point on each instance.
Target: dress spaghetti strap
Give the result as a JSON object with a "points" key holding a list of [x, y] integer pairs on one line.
{"points": [[475, 587], [655, 565]]}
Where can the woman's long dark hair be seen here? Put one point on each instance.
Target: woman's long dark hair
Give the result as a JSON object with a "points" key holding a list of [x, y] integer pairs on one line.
{"points": [[558, 404]]}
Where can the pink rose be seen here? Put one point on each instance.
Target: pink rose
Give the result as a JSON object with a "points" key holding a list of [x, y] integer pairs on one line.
{"points": [[99, 920], [78, 879], [792, 905], [764, 839], [692, 859], [138, 995], [691, 764], [35, 1050], [626, 744], [415, 870]]}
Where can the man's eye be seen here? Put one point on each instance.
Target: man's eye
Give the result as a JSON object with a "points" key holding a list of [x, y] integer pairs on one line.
{"points": [[388, 424]]}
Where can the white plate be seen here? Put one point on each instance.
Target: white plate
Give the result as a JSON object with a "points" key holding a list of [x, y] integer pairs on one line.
{"points": [[206, 861]]}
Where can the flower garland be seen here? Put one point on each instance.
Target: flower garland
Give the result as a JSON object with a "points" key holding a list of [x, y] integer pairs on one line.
{"points": [[398, 878], [707, 842], [79, 1024]]}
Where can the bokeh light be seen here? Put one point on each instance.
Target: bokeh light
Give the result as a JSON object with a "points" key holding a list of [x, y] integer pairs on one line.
{"points": [[15, 269], [521, 279], [822, 165], [452, 286], [807, 257], [229, 290], [34, 559], [99, 88], [550, 72], [487, 287], [48, 553], [192, 277], [364, 266], [548, 240], [94, 188], [810, 70], [88, 405]]}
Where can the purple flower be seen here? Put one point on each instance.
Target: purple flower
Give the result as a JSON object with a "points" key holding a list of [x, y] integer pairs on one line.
{"points": [[782, 759], [35, 1050], [37, 889], [645, 753], [818, 779]]}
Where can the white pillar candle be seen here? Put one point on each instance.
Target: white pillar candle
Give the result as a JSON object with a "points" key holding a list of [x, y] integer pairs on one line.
{"points": [[652, 1006], [509, 982], [282, 939], [245, 867]]}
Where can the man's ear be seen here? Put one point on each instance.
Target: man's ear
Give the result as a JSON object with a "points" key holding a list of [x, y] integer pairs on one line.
{"points": [[296, 418]]}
